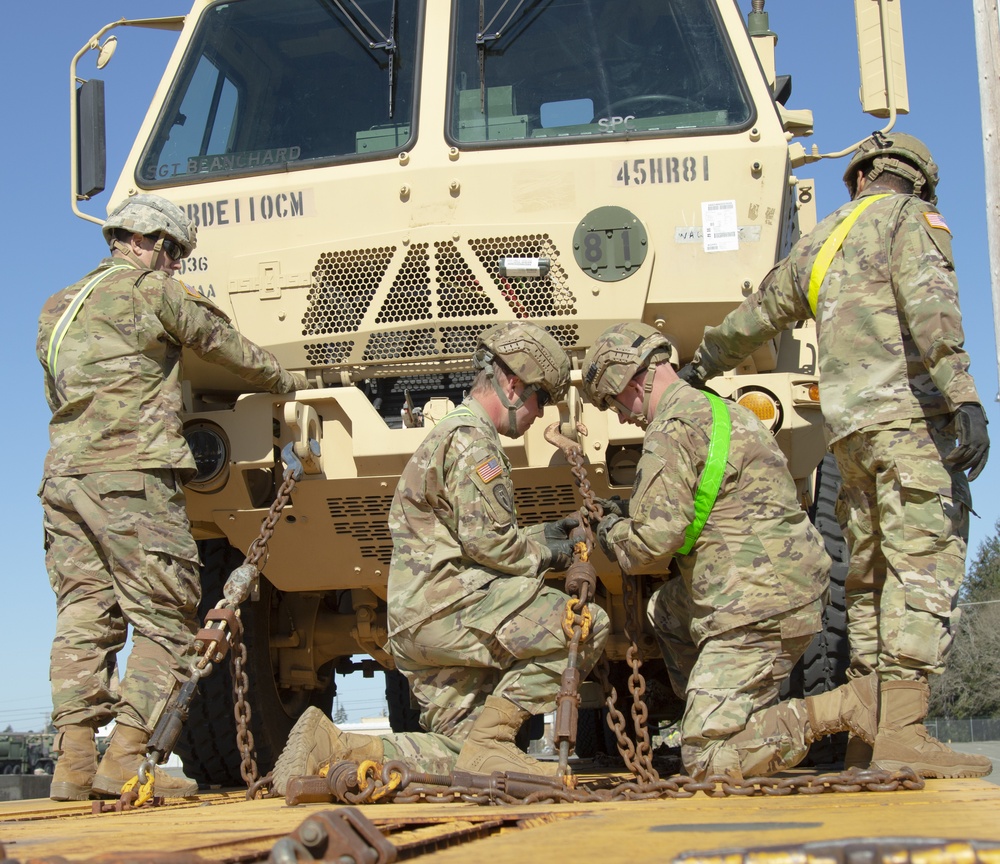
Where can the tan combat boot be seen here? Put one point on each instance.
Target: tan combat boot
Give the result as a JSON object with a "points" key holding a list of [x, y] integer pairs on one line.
{"points": [[315, 742], [903, 740], [852, 707], [121, 763], [76, 765], [490, 746]]}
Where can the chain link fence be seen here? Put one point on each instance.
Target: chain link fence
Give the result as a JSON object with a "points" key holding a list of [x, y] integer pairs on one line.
{"points": [[964, 730]]}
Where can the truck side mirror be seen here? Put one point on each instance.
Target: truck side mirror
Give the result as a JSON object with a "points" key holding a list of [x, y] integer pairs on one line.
{"points": [[91, 146]]}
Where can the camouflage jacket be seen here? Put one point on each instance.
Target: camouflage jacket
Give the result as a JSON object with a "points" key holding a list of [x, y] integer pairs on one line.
{"points": [[116, 395], [453, 521], [757, 556], [888, 320]]}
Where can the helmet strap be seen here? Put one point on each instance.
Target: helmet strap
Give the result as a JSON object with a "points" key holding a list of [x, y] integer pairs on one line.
{"points": [[490, 369]]}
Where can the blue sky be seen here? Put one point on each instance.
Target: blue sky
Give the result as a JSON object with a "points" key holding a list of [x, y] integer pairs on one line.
{"points": [[817, 46]]}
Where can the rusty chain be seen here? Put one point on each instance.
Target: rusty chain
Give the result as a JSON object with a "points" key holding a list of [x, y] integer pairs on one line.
{"points": [[222, 633], [398, 783]]}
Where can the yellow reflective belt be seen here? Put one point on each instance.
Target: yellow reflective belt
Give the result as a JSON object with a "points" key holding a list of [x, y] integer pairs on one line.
{"points": [[711, 476], [831, 246], [62, 325]]}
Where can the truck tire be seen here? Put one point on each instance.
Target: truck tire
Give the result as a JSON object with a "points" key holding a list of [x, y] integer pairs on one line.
{"points": [[403, 717], [207, 745], [824, 665]]}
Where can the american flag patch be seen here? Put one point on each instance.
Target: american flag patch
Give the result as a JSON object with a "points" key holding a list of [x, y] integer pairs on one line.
{"points": [[489, 469], [936, 220]]}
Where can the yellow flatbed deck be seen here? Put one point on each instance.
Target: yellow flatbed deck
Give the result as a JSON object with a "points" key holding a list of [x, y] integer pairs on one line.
{"points": [[224, 827]]}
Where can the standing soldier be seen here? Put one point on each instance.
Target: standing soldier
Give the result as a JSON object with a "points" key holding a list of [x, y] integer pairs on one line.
{"points": [[714, 510], [472, 625], [878, 277], [119, 549]]}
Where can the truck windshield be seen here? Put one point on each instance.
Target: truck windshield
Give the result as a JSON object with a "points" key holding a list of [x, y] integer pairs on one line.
{"points": [[268, 86], [532, 71]]}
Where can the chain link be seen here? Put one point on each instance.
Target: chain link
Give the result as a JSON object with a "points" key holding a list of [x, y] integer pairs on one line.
{"points": [[398, 783]]}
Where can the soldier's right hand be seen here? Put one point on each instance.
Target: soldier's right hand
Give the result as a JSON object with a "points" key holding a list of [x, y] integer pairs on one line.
{"points": [[559, 554], [613, 506], [605, 525], [692, 376], [973, 448]]}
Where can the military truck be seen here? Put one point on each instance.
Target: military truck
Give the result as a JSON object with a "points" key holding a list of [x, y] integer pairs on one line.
{"points": [[26, 752], [375, 182]]}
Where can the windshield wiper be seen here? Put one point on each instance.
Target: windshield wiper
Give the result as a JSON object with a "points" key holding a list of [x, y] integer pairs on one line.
{"points": [[482, 37], [380, 41]]}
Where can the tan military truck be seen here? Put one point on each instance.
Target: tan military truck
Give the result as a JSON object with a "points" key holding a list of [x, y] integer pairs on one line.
{"points": [[375, 182]]}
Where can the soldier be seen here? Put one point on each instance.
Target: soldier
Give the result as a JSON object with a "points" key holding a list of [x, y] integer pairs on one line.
{"points": [[715, 510], [878, 277], [119, 549], [472, 625]]}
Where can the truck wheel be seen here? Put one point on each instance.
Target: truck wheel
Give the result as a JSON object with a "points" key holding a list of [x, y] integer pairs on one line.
{"points": [[403, 717], [824, 665], [207, 744]]}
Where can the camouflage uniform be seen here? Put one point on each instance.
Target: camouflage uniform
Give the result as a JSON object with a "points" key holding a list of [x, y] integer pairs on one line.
{"points": [[469, 614], [742, 606], [892, 370], [119, 548]]}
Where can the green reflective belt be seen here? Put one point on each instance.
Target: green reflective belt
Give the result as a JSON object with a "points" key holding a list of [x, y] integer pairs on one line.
{"points": [[831, 246], [711, 476], [62, 325]]}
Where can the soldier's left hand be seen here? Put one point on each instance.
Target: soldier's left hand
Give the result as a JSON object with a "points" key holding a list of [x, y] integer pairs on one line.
{"points": [[973, 448], [300, 381]]}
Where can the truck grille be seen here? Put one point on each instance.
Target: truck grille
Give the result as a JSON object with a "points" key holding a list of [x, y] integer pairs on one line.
{"points": [[393, 305]]}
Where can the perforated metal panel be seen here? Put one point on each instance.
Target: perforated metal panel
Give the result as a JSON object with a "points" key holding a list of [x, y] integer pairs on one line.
{"points": [[364, 519], [328, 353], [401, 344], [567, 335], [539, 297], [543, 503], [442, 283], [460, 340], [410, 296], [343, 286], [459, 293]]}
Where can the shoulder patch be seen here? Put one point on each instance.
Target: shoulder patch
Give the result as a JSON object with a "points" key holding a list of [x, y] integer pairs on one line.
{"points": [[936, 220], [489, 470]]}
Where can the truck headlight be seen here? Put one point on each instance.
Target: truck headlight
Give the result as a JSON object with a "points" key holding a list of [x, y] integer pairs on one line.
{"points": [[210, 448], [762, 403]]}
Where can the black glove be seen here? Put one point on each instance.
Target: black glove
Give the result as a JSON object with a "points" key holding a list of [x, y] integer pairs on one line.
{"points": [[559, 555], [689, 374], [973, 446], [613, 506], [605, 525], [555, 538], [561, 528]]}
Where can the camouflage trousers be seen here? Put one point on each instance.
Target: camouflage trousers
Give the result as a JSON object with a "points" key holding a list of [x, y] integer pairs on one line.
{"points": [[119, 552], [905, 515], [728, 680], [505, 639]]}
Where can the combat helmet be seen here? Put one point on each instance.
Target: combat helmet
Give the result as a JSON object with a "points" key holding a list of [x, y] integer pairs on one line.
{"points": [[531, 353], [151, 214], [897, 153], [617, 356]]}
